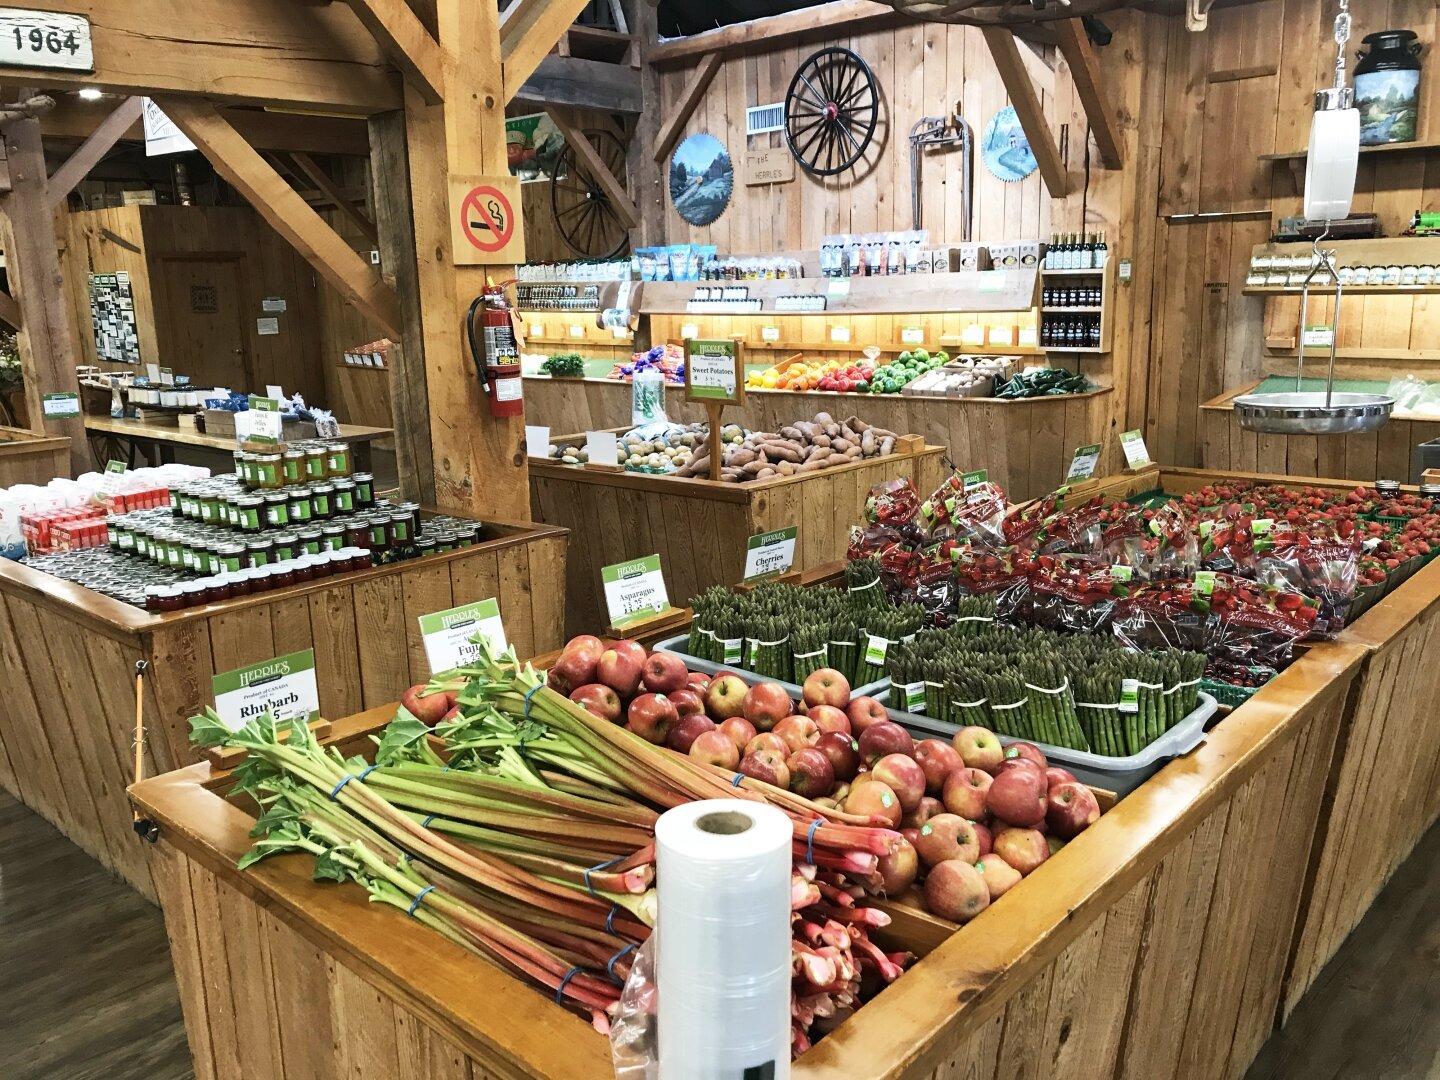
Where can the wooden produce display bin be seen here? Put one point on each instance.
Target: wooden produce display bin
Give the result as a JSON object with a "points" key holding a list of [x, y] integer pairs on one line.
{"points": [[700, 527], [27, 457], [1158, 943], [1025, 445], [68, 656]]}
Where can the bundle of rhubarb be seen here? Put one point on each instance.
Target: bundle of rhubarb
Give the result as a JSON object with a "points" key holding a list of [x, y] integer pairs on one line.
{"points": [[522, 828]]}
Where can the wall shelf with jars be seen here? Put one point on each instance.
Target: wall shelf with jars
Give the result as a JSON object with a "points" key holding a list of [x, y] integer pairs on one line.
{"points": [[1396, 264], [1077, 287]]}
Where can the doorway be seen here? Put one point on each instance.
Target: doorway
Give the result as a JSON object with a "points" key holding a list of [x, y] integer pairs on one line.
{"points": [[199, 327]]}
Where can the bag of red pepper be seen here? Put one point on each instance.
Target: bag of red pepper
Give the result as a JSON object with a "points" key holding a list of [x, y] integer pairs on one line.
{"points": [[1026, 526], [1003, 573], [894, 503], [933, 585], [1073, 594], [867, 541]]}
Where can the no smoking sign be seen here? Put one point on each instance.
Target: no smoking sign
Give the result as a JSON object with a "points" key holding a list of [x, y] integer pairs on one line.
{"points": [[485, 220]]}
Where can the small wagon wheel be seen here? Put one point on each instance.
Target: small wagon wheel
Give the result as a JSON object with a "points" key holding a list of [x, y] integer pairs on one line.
{"points": [[583, 214], [831, 110]]}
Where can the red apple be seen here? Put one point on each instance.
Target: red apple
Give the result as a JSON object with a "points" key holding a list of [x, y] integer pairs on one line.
{"points": [[985, 838], [826, 686], [632, 649], [1024, 849], [599, 700], [766, 704], [725, 697], [965, 791], [651, 716], [939, 759], [1056, 775], [687, 702], [768, 766], [571, 670], [885, 738], [904, 776], [927, 809], [876, 800], [429, 709], [1017, 797], [715, 748], [798, 732], [686, 730], [620, 671], [947, 836], [811, 774], [978, 748], [585, 645], [1027, 750], [898, 869], [738, 730], [1023, 764], [863, 712], [910, 835], [1000, 877], [768, 740], [1070, 809], [843, 752], [664, 672], [955, 890], [697, 681], [829, 718]]}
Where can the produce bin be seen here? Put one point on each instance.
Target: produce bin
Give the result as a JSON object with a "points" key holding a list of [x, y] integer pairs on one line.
{"points": [[27, 457], [677, 645]]}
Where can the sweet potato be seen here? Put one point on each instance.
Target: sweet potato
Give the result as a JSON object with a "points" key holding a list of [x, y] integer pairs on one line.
{"points": [[867, 442], [887, 445], [741, 455], [840, 446]]}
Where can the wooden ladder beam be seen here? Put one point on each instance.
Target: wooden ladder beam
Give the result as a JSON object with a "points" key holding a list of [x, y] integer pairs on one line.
{"points": [[528, 32], [1006, 55], [331, 190], [78, 165], [613, 186], [699, 81], [1085, 70], [407, 43], [287, 213]]}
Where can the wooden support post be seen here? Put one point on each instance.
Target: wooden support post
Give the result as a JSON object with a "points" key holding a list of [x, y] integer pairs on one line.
{"points": [[614, 187], [695, 88], [331, 190], [530, 32], [78, 165], [1017, 82], [407, 43], [46, 336], [288, 214], [645, 175], [1085, 70]]}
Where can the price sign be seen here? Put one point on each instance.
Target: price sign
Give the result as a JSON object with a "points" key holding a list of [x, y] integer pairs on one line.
{"points": [[602, 448], [770, 554], [60, 406], [689, 330], [537, 441], [537, 329], [971, 480], [577, 331], [284, 687], [1317, 337], [45, 39], [769, 333], [838, 287], [448, 635], [167, 377], [1136, 455], [1082, 465], [912, 335], [714, 371], [991, 280], [634, 590], [840, 334], [264, 423]]}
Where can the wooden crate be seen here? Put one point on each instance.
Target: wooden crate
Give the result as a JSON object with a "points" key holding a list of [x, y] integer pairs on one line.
{"points": [[27, 457], [700, 527], [67, 659]]}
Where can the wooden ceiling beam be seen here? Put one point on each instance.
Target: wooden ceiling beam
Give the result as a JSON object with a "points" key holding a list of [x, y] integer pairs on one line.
{"points": [[101, 141], [331, 190], [407, 43], [1085, 70], [261, 52], [288, 132], [690, 98], [286, 212], [774, 30], [1006, 54], [529, 33], [583, 84], [614, 188]]}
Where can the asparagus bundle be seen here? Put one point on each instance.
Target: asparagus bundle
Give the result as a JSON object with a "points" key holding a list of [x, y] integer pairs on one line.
{"points": [[862, 581]]}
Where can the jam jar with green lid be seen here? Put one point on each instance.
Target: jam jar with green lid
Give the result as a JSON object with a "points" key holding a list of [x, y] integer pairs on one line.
{"points": [[292, 467], [277, 509], [251, 512], [337, 459], [364, 488]]}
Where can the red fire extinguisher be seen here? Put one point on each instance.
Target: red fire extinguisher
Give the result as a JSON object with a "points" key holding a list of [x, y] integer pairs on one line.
{"points": [[496, 352]]}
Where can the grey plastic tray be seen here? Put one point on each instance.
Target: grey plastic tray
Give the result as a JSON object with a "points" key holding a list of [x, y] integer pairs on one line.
{"points": [[1121, 775], [677, 646]]}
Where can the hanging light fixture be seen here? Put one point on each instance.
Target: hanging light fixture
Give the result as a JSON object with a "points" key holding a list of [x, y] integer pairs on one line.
{"points": [[1330, 165]]}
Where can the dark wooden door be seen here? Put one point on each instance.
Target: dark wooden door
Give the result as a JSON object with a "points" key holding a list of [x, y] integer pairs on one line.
{"points": [[200, 327]]}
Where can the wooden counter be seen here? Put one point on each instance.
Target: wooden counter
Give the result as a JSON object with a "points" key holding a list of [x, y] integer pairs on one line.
{"points": [[700, 527], [1025, 445], [1160, 943], [67, 660], [27, 457]]}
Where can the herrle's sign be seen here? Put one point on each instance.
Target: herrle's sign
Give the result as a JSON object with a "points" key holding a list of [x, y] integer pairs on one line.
{"points": [[773, 166]]}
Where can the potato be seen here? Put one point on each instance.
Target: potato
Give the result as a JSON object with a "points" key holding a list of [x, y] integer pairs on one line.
{"points": [[743, 456], [787, 468]]}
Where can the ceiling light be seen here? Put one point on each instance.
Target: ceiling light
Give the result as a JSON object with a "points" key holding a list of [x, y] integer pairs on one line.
{"points": [[91, 94]]}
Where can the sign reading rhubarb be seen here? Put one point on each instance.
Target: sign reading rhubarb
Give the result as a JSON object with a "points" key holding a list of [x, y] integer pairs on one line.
{"points": [[770, 554], [1136, 454], [284, 687], [714, 371], [448, 635], [1082, 465], [634, 590]]}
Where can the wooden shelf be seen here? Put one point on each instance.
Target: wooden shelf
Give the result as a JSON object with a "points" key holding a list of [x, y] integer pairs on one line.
{"points": [[1071, 310], [1349, 290], [1092, 350], [975, 291], [577, 341], [1074, 273], [952, 341], [1387, 148]]}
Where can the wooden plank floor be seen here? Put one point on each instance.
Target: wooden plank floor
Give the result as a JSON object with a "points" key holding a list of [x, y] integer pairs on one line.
{"points": [[86, 990]]}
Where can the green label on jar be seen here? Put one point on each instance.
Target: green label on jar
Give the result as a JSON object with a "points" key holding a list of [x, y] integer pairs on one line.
{"points": [[207, 511], [310, 547], [377, 535], [365, 493], [334, 543], [284, 554], [322, 505], [292, 471], [344, 502], [259, 558], [402, 530], [265, 475], [277, 515], [229, 563], [127, 541], [300, 510], [337, 464], [249, 518], [315, 468]]}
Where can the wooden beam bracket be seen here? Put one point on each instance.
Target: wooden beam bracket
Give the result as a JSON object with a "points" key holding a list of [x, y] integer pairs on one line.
{"points": [[699, 81], [528, 32], [78, 165], [331, 190], [407, 43], [1027, 107], [1085, 70]]}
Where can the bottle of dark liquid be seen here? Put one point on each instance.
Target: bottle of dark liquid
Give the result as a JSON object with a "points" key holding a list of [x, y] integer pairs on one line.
{"points": [[1102, 253]]}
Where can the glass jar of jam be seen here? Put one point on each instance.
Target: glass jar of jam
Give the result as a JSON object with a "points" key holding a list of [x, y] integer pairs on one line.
{"points": [[267, 471], [282, 575], [363, 559], [209, 507], [251, 512], [413, 509], [300, 510], [174, 500], [357, 532], [153, 595], [246, 463], [378, 527], [333, 537], [277, 510], [364, 489], [467, 534], [322, 500], [344, 496], [260, 551], [287, 546], [292, 467], [170, 598], [425, 546], [311, 541], [444, 541], [337, 459], [303, 569], [126, 536], [239, 456], [399, 532], [315, 462], [322, 565], [192, 594], [231, 557]]}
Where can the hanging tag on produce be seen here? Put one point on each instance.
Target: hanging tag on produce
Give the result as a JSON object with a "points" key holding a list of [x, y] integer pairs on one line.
{"points": [[1082, 465], [448, 635], [284, 687], [770, 554], [1137, 456], [634, 590]]}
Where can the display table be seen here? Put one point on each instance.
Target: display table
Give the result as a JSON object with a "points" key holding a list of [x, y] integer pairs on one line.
{"points": [[27, 457], [699, 528], [68, 655], [1025, 445], [1159, 943], [157, 440]]}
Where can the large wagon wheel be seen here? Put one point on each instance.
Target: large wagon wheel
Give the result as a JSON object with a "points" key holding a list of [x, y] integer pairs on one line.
{"points": [[831, 110], [582, 210]]}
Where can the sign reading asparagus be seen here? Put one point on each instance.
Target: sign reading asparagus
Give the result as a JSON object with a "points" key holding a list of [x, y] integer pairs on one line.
{"points": [[770, 554], [634, 590], [284, 687], [449, 635]]}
